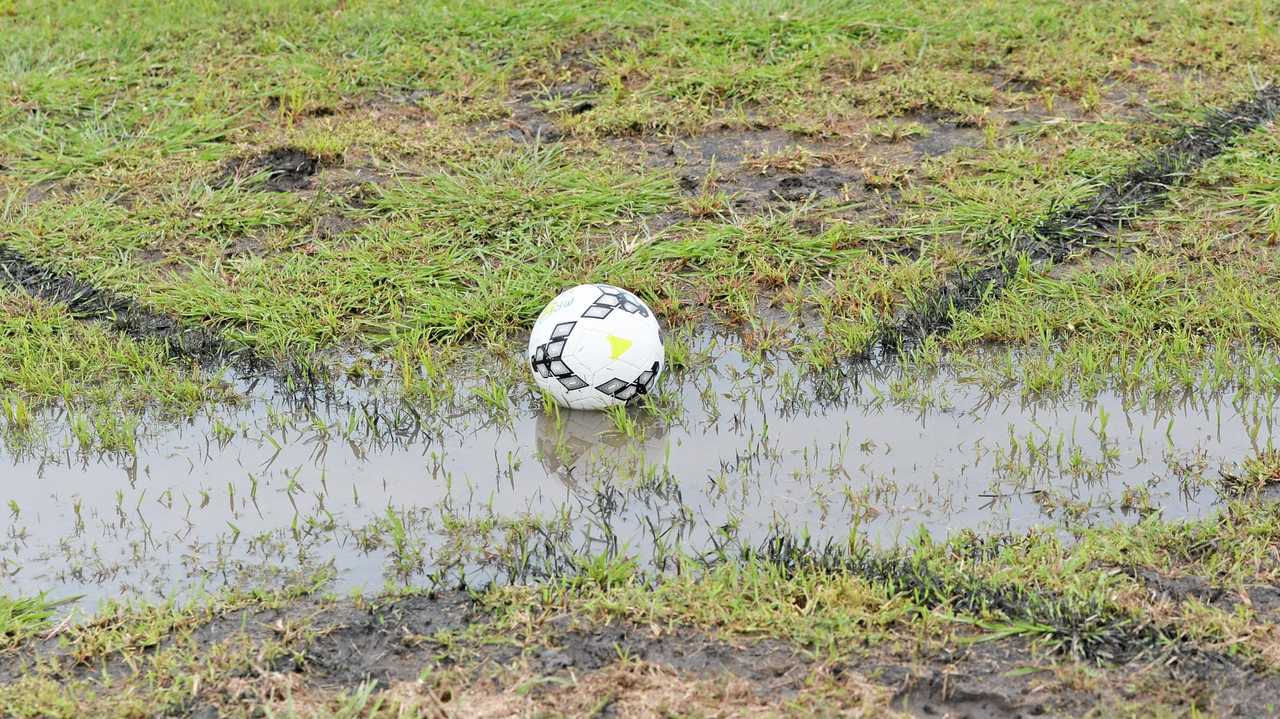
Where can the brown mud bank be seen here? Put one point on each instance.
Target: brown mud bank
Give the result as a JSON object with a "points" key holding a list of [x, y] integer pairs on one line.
{"points": [[447, 654]]}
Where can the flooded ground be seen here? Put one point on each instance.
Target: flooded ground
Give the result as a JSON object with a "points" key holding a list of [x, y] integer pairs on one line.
{"points": [[387, 491]]}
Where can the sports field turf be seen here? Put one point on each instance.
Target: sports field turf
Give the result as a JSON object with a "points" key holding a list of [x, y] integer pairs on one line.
{"points": [[972, 313]]}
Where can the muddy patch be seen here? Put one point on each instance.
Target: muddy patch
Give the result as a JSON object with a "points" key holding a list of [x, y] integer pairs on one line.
{"points": [[396, 642], [1213, 685], [49, 190], [1179, 589], [772, 666], [941, 138], [533, 114], [352, 182], [1263, 599], [727, 173], [1012, 678], [945, 696], [285, 169], [390, 643], [991, 680], [329, 227], [528, 124]]}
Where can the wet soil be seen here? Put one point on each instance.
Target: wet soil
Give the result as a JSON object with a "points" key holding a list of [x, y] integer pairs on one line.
{"points": [[395, 643], [391, 643], [340, 645], [286, 169], [992, 680], [773, 667], [1262, 599], [49, 190], [1010, 679], [943, 137], [531, 123], [729, 173]]}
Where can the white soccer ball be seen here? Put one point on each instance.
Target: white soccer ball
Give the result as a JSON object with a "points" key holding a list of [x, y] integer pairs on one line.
{"points": [[595, 346]]}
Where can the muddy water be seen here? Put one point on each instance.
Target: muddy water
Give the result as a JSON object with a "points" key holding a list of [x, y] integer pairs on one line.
{"points": [[378, 491]]}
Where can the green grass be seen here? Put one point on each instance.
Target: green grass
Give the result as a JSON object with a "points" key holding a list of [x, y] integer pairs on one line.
{"points": [[432, 230], [22, 618], [50, 355], [1188, 302], [184, 80], [130, 113], [1066, 596]]}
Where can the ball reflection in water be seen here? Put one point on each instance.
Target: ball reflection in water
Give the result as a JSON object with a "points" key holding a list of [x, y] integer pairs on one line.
{"points": [[582, 448]]}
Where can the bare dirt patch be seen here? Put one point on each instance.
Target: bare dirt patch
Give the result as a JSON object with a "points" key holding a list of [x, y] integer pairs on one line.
{"points": [[286, 169], [942, 137], [387, 644], [436, 650], [49, 190], [533, 114], [773, 667], [1263, 599], [992, 680], [754, 169]]}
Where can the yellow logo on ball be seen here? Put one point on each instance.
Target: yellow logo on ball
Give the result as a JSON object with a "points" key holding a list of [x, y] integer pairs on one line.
{"points": [[618, 345]]}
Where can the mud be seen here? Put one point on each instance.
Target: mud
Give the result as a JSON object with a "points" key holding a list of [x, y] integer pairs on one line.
{"points": [[330, 227], [49, 190], [773, 667], [391, 643], [981, 682], [942, 138], [528, 124], [395, 644], [729, 172], [338, 645], [285, 169], [1010, 678], [1262, 599], [1212, 685], [533, 112], [1077, 228]]}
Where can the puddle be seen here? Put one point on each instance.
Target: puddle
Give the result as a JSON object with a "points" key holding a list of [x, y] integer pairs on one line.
{"points": [[381, 491]]}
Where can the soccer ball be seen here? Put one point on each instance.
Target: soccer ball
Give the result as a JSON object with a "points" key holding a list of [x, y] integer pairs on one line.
{"points": [[596, 346]]}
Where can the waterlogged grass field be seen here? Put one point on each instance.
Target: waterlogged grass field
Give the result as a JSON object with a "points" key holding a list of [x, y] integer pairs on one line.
{"points": [[971, 309]]}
